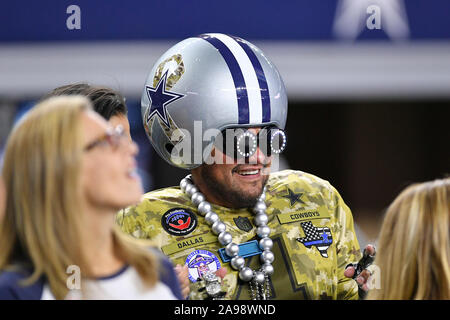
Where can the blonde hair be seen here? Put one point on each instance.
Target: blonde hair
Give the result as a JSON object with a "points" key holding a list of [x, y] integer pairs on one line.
{"points": [[413, 253], [42, 225]]}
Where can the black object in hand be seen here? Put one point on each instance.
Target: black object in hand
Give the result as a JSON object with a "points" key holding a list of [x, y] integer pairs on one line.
{"points": [[362, 264]]}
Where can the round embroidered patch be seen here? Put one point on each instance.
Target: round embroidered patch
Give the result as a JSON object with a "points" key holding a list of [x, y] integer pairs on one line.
{"points": [[179, 221], [199, 262]]}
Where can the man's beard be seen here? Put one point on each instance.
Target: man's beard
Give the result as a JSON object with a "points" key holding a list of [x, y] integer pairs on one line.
{"points": [[234, 196]]}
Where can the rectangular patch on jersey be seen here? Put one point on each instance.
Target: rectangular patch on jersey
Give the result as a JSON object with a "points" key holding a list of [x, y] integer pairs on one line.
{"points": [[246, 249], [188, 243], [305, 215], [296, 264]]}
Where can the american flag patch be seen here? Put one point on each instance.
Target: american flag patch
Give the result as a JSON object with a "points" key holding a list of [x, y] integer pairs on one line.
{"points": [[319, 237]]}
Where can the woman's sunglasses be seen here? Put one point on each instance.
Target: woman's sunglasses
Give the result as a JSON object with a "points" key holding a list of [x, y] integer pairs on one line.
{"points": [[112, 137]]}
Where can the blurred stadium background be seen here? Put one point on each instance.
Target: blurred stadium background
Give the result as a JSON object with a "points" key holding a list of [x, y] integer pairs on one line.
{"points": [[369, 108]]}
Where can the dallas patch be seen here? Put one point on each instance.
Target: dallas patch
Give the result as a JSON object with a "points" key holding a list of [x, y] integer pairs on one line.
{"points": [[199, 262], [179, 221], [321, 238]]}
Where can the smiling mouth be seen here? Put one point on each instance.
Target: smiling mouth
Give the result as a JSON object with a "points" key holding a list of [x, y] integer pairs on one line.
{"points": [[248, 172]]}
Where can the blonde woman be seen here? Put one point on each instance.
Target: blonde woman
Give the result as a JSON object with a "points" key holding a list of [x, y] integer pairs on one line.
{"points": [[2, 198], [67, 173], [414, 245]]}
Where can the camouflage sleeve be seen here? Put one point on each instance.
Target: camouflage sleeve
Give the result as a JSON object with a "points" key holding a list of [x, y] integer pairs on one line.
{"points": [[119, 218], [348, 250], [126, 219]]}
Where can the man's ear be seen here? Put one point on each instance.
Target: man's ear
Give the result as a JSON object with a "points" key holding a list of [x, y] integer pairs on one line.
{"points": [[196, 173]]}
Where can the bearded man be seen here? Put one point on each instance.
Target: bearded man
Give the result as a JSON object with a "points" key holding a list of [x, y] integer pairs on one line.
{"points": [[217, 106]]}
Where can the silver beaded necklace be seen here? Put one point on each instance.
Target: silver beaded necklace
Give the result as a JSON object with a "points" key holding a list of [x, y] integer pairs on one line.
{"points": [[258, 279]]}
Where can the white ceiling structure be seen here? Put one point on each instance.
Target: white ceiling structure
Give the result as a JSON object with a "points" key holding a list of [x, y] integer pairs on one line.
{"points": [[311, 71]]}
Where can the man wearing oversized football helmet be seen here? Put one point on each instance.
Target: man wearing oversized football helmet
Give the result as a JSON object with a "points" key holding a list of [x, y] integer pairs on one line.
{"points": [[217, 106]]}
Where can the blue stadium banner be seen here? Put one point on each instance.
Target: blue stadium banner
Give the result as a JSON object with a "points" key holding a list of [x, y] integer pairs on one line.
{"points": [[304, 20]]}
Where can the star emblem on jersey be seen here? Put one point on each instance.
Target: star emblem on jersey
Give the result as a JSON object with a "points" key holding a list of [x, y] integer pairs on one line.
{"points": [[319, 237], [159, 98], [293, 197]]}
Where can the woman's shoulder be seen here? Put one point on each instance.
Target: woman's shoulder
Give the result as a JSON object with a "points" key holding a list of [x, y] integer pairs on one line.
{"points": [[13, 288], [167, 273]]}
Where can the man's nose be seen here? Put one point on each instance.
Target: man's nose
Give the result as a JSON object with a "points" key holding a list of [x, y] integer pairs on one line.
{"points": [[259, 157]]}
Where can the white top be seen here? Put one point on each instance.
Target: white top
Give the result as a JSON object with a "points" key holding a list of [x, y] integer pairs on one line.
{"points": [[124, 285]]}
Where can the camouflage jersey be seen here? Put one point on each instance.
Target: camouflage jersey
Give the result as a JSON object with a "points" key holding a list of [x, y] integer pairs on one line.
{"points": [[311, 228]]}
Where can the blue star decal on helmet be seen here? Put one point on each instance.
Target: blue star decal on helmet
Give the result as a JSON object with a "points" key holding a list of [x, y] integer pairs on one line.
{"points": [[159, 99]]}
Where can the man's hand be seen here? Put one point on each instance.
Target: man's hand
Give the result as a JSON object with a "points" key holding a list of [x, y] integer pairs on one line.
{"points": [[359, 271], [183, 279]]}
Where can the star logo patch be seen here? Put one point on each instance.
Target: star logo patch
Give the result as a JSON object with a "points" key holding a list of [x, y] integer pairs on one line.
{"points": [[293, 197], [159, 98]]}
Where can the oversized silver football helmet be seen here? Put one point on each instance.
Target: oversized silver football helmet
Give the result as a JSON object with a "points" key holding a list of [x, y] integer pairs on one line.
{"points": [[206, 83]]}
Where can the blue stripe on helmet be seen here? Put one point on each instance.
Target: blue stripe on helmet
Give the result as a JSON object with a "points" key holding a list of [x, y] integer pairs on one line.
{"points": [[264, 88], [236, 73]]}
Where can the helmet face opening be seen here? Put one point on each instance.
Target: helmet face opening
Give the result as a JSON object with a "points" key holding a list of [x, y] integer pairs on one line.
{"points": [[221, 82], [169, 147]]}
